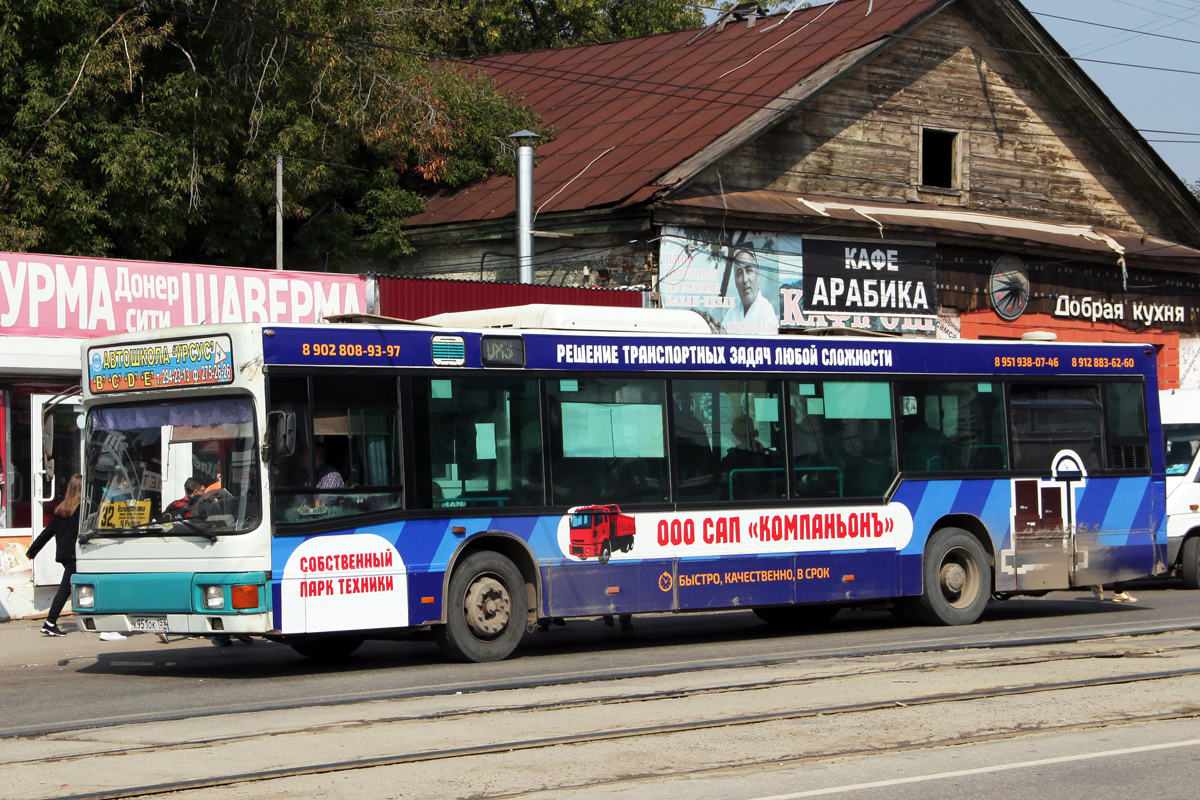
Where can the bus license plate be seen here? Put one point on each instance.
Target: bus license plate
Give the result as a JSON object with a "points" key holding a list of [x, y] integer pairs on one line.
{"points": [[157, 624]]}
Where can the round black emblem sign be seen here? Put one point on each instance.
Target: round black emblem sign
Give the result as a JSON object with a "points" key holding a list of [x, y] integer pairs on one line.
{"points": [[1008, 287]]}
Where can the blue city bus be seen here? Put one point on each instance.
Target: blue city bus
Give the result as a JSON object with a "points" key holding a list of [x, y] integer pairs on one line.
{"points": [[320, 485]]}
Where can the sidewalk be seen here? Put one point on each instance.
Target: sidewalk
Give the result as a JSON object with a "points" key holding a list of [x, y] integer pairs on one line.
{"points": [[22, 643]]}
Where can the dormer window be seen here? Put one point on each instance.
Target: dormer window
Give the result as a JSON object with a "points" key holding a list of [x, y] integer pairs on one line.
{"points": [[939, 159]]}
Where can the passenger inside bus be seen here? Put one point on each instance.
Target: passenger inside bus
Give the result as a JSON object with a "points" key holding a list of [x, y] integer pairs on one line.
{"points": [[119, 487], [693, 451], [812, 464], [327, 475], [749, 470], [925, 449]]}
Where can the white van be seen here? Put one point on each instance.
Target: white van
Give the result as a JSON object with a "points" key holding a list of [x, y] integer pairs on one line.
{"points": [[1181, 430]]}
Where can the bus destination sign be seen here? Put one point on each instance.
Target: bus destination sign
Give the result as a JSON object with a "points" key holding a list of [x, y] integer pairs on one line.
{"points": [[204, 361]]}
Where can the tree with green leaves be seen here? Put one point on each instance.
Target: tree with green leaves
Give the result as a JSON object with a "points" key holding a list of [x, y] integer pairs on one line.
{"points": [[472, 28], [147, 128]]}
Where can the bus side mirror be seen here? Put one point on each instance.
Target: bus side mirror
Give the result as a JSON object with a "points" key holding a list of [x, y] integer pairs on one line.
{"points": [[281, 433]]}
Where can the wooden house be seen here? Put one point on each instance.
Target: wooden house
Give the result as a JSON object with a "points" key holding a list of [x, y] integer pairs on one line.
{"points": [[926, 167]]}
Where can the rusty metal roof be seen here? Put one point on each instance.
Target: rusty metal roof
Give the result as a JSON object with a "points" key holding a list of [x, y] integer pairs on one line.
{"points": [[628, 112]]}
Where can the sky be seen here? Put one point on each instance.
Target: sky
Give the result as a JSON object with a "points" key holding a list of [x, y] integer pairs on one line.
{"points": [[1132, 50], [1155, 99]]}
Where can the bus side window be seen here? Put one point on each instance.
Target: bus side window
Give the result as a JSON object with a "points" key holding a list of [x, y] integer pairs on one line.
{"points": [[735, 451], [608, 441], [951, 426], [358, 423], [1125, 414], [694, 404], [814, 473], [862, 439], [483, 440], [1048, 418], [348, 447]]}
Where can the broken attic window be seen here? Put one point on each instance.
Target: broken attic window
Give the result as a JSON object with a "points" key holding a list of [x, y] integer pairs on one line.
{"points": [[938, 158]]}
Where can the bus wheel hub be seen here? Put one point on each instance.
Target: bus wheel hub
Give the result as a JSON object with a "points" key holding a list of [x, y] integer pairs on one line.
{"points": [[954, 577], [487, 607]]}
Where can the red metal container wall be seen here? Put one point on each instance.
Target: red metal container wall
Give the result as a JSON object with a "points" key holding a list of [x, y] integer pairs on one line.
{"points": [[413, 298]]}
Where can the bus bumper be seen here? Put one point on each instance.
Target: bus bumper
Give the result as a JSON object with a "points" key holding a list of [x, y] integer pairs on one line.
{"points": [[193, 603], [190, 624]]}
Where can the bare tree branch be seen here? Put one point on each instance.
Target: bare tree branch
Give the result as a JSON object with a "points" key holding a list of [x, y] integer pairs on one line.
{"points": [[128, 60], [82, 66], [256, 111]]}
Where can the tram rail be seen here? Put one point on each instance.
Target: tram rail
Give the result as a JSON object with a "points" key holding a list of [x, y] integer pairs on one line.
{"points": [[968, 639], [1123, 647]]}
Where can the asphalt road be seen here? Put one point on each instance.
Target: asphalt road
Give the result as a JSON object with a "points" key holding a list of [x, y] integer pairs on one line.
{"points": [[1159, 760], [61, 683]]}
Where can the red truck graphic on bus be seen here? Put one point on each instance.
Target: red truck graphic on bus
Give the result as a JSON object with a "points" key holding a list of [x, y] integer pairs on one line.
{"points": [[596, 531]]}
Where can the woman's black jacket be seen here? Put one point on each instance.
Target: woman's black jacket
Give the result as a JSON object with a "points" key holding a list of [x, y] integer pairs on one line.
{"points": [[65, 531]]}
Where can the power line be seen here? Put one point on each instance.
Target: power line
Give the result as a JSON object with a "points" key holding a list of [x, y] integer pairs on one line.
{"points": [[321, 163], [1131, 31]]}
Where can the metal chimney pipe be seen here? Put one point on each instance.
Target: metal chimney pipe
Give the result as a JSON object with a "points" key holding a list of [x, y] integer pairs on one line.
{"points": [[524, 140]]}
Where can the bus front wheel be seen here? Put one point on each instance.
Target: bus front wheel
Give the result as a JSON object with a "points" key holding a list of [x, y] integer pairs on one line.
{"points": [[1189, 562], [485, 609], [957, 579]]}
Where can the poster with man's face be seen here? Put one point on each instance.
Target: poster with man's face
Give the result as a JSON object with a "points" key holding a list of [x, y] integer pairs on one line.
{"points": [[756, 283], [735, 282]]}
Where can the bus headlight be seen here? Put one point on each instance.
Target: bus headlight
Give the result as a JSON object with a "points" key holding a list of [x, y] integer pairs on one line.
{"points": [[214, 597], [85, 596]]}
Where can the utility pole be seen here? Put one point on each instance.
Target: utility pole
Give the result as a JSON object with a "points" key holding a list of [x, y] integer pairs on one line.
{"points": [[278, 212]]}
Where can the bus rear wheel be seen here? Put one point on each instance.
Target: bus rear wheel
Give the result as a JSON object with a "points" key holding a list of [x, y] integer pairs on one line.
{"points": [[1189, 562], [485, 609], [957, 579]]}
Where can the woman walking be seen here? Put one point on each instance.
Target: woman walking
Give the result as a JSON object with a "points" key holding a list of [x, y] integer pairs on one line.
{"points": [[64, 527]]}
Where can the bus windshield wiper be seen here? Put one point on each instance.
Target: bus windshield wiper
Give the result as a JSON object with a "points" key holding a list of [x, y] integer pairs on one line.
{"points": [[147, 529], [196, 529]]}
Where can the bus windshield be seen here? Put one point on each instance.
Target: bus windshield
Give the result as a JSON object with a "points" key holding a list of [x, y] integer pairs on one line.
{"points": [[190, 468]]}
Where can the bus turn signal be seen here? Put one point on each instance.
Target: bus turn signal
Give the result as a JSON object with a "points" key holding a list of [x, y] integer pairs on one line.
{"points": [[245, 596]]}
